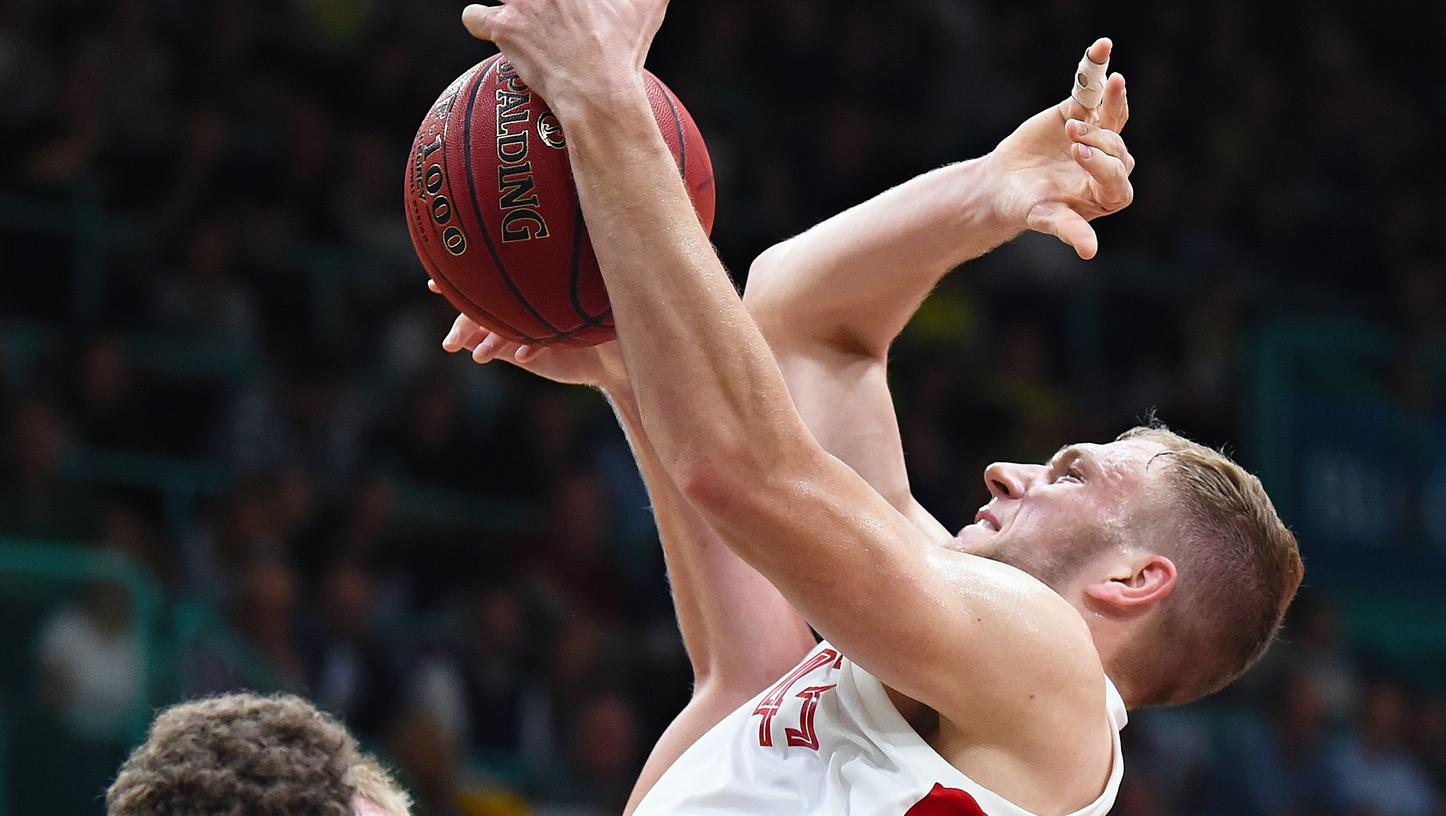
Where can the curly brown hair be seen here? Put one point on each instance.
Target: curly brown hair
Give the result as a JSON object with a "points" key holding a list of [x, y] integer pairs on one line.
{"points": [[249, 755]]}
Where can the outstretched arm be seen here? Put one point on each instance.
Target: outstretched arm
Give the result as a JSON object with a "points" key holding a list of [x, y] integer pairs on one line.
{"points": [[831, 300], [956, 632]]}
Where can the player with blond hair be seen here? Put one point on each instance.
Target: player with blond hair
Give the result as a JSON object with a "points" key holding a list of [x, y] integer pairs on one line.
{"points": [[985, 671]]}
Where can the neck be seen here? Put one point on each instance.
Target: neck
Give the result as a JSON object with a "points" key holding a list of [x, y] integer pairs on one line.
{"points": [[1110, 637]]}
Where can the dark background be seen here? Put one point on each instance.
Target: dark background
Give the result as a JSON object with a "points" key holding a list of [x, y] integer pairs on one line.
{"points": [[234, 454]]}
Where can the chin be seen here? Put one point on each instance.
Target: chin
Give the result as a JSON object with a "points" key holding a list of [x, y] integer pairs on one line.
{"points": [[974, 540]]}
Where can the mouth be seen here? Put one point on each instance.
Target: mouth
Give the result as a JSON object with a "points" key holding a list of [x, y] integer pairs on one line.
{"points": [[985, 518]]}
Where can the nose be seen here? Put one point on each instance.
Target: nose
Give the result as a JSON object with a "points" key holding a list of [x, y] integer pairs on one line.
{"points": [[1007, 480]]}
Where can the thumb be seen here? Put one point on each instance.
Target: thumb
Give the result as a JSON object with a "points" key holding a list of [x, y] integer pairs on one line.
{"points": [[1054, 218]]}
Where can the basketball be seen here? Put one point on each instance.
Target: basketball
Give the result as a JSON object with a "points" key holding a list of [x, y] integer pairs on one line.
{"points": [[494, 215]]}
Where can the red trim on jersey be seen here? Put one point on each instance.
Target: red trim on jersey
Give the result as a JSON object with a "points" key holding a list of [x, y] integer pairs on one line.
{"points": [[942, 801]]}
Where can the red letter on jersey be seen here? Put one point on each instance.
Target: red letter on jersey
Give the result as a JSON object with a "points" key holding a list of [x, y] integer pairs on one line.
{"points": [[804, 736], [768, 707]]}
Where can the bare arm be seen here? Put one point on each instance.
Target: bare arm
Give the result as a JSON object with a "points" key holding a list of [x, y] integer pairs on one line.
{"points": [[739, 632], [832, 300], [854, 280]]}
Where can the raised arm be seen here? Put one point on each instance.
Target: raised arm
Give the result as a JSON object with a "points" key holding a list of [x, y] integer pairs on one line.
{"points": [[831, 300], [960, 633]]}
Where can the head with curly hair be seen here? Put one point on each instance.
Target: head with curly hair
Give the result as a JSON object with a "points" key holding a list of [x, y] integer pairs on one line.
{"points": [[244, 754]]}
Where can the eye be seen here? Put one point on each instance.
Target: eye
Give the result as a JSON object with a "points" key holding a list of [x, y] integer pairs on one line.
{"points": [[1071, 475]]}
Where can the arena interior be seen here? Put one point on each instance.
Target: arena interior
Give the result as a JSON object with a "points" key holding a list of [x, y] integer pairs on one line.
{"points": [[235, 456]]}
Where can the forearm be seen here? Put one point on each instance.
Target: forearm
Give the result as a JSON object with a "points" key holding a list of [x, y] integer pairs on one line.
{"points": [[855, 279], [708, 389], [739, 632]]}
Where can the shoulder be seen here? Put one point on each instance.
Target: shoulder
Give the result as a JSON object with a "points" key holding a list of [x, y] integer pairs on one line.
{"points": [[1046, 667], [1037, 728], [1046, 629]]}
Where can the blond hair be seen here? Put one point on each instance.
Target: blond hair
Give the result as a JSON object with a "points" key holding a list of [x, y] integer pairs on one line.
{"points": [[1238, 565], [242, 754]]}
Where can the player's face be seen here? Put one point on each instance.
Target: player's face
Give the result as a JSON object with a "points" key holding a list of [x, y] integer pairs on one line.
{"points": [[1050, 519]]}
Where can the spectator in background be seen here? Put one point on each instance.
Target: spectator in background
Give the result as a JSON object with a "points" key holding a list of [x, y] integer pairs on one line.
{"points": [[349, 671], [1311, 644], [313, 419], [1284, 766], [428, 442], [1172, 750], [473, 685], [583, 656], [1321, 652], [236, 529], [90, 664], [89, 653], [575, 567], [264, 616], [381, 257], [1374, 768], [361, 526], [602, 759], [105, 403], [428, 762], [36, 498], [205, 300]]}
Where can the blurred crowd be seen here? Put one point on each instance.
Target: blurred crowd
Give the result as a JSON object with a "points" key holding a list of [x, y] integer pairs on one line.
{"points": [[218, 357]]}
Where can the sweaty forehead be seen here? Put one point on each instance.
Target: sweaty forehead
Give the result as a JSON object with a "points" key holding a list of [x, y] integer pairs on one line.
{"points": [[1128, 461]]}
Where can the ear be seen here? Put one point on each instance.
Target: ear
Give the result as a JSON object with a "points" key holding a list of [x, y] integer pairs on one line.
{"points": [[1135, 586]]}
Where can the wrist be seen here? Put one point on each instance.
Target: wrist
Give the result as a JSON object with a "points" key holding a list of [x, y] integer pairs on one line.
{"points": [[984, 188], [619, 93]]}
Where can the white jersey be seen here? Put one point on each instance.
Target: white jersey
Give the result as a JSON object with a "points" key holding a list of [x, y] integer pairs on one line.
{"points": [[826, 739]]}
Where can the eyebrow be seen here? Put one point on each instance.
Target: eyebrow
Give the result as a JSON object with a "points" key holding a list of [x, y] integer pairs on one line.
{"points": [[1065, 452]]}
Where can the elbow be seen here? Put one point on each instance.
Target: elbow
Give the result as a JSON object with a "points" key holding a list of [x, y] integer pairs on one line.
{"points": [[765, 295], [796, 313], [740, 482], [711, 482], [725, 479], [767, 267]]}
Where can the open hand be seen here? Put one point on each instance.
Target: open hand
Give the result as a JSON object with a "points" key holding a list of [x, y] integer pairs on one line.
{"points": [[600, 366], [1067, 165]]}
